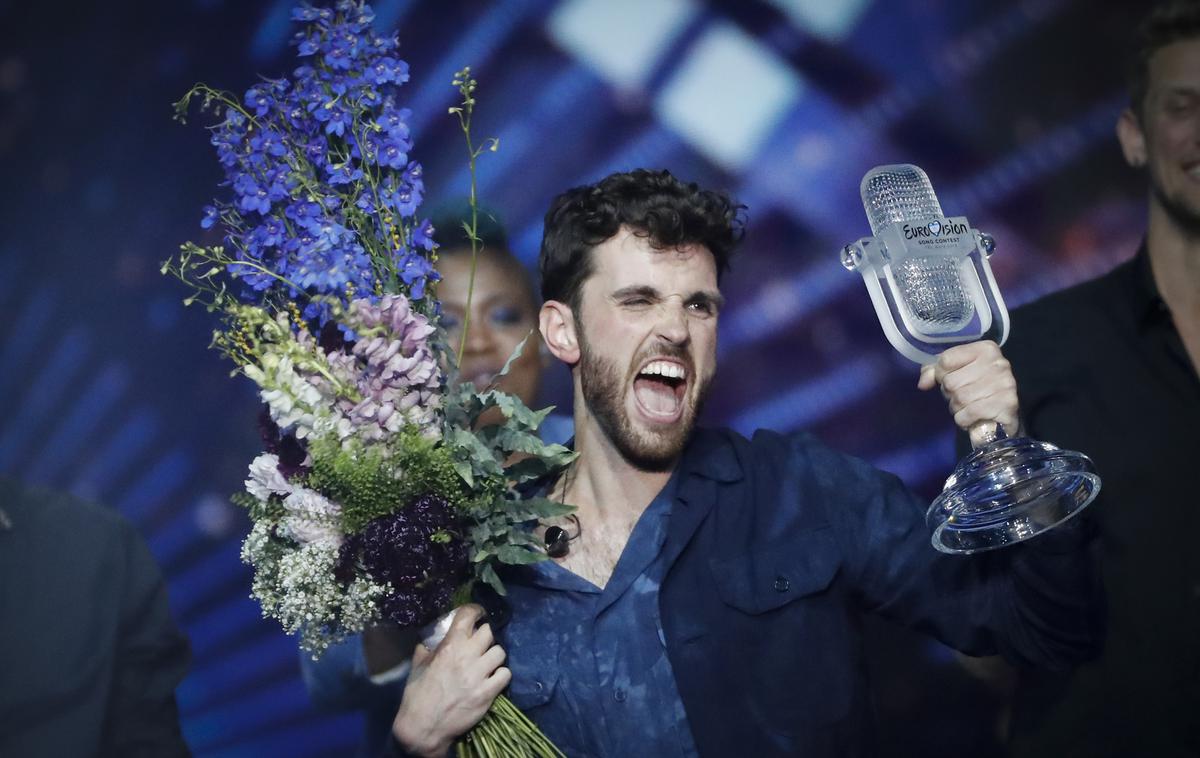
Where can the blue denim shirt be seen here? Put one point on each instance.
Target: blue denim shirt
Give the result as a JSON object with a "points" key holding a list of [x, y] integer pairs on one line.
{"points": [[590, 665], [775, 548]]}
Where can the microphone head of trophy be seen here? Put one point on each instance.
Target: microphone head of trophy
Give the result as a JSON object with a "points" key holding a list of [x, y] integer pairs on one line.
{"points": [[932, 287], [928, 275]]}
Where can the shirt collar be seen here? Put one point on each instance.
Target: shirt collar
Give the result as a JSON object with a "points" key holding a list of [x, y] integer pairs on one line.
{"points": [[1148, 304], [709, 455]]}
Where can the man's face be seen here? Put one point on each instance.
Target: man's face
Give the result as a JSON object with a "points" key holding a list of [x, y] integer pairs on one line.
{"points": [[647, 326], [1170, 128]]}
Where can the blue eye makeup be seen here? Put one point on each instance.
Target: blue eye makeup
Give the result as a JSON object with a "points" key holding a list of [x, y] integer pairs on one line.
{"points": [[505, 315]]}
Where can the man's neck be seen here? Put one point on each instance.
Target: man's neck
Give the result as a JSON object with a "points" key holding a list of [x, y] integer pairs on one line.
{"points": [[610, 493], [1175, 261], [604, 483]]}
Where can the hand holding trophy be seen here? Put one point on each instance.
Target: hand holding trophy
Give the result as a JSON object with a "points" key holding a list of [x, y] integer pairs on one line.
{"points": [[932, 287]]}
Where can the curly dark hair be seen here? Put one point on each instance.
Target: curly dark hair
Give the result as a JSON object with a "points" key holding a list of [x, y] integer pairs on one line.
{"points": [[654, 204], [1168, 22]]}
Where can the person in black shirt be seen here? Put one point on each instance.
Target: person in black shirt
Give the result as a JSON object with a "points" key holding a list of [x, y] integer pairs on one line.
{"points": [[1110, 368], [89, 654]]}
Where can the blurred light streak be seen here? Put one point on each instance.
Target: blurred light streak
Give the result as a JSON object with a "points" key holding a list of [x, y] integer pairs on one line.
{"points": [[331, 734], [474, 47], [168, 541], [43, 396], [831, 21], [212, 633], [220, 680], [116, 455], [588, 29], [959, 58], [207, 577], [916, 463], [239, 718], [79, 424], [806, 404], [727, 95], [653, 147], [24, 336], [155, 488], [784, 302], [1035, 160]]}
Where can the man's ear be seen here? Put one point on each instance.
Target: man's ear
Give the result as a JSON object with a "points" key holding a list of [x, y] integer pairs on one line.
{"points": [[1132, 138], [557, 324]]}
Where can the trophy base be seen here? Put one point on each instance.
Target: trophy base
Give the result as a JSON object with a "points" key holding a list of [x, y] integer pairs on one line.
{"points": [[1008, 491]]}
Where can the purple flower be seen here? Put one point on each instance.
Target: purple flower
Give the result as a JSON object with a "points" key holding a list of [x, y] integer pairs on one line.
{"points": [[336, 120], [420, 550], [305, 12], [252, 196], [343, 173], [314, 135], [260, 100], [270, 233], [387, 69], [210, 217], [307, 44], [423, 236], [268, 142], [393, 154], [291, 453]]}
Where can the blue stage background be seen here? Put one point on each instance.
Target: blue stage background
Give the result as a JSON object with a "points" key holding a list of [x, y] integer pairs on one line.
{"points": [[107, 389]]}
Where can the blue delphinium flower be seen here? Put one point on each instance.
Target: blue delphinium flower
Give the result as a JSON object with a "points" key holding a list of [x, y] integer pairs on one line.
{"points": [[320, 171], [211, 215]]}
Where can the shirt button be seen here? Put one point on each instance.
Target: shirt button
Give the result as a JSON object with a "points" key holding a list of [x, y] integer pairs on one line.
{"points": [[782, 584], [537, 686], [619, 695]]}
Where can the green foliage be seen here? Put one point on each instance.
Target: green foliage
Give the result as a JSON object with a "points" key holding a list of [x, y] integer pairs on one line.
{"points": [[367, 485], [271, 510]]}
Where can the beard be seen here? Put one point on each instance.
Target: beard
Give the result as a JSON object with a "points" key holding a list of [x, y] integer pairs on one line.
{"points": [[1184, 216], [602, 385]]}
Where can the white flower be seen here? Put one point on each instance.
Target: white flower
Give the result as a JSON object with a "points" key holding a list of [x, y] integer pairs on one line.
{"points": [[265, 479], [311, 519]]}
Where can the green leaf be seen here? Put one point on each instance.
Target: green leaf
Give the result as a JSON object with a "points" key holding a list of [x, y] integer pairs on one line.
{"points": [[488, 574], [550, 459], [464, 470], [516, 353], [514, 555], [539, 508]]}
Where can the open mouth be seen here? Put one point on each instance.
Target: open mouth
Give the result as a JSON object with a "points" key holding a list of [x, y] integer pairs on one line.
{"points": [[659, 389]]}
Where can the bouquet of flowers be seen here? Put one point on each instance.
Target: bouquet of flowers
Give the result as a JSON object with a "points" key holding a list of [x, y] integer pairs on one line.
{"points": [[379, 497]]}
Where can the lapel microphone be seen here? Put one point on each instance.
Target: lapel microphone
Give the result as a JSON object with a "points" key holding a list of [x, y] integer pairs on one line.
{"points": [[558, 542]]}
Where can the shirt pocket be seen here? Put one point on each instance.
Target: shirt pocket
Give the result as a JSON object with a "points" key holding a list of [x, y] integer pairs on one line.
{"points": [[786, 632], [770, 577], [533, 661]]}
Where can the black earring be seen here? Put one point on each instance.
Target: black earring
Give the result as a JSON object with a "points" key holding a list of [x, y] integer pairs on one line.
{"points": [[558, 542]]}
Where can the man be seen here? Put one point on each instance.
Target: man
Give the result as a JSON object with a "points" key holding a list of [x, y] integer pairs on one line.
{"points": [[1110, 367], [711, 602], [89, 655]]}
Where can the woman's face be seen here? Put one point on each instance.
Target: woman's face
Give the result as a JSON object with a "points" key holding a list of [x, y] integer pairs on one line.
{"points": [[502, 314]]}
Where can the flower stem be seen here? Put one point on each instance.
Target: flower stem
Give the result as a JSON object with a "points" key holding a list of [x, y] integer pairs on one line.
{"points": [[466, 86]]}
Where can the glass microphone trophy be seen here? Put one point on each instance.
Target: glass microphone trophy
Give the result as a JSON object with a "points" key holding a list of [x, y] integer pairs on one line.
{"points": [[932, 287]]}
